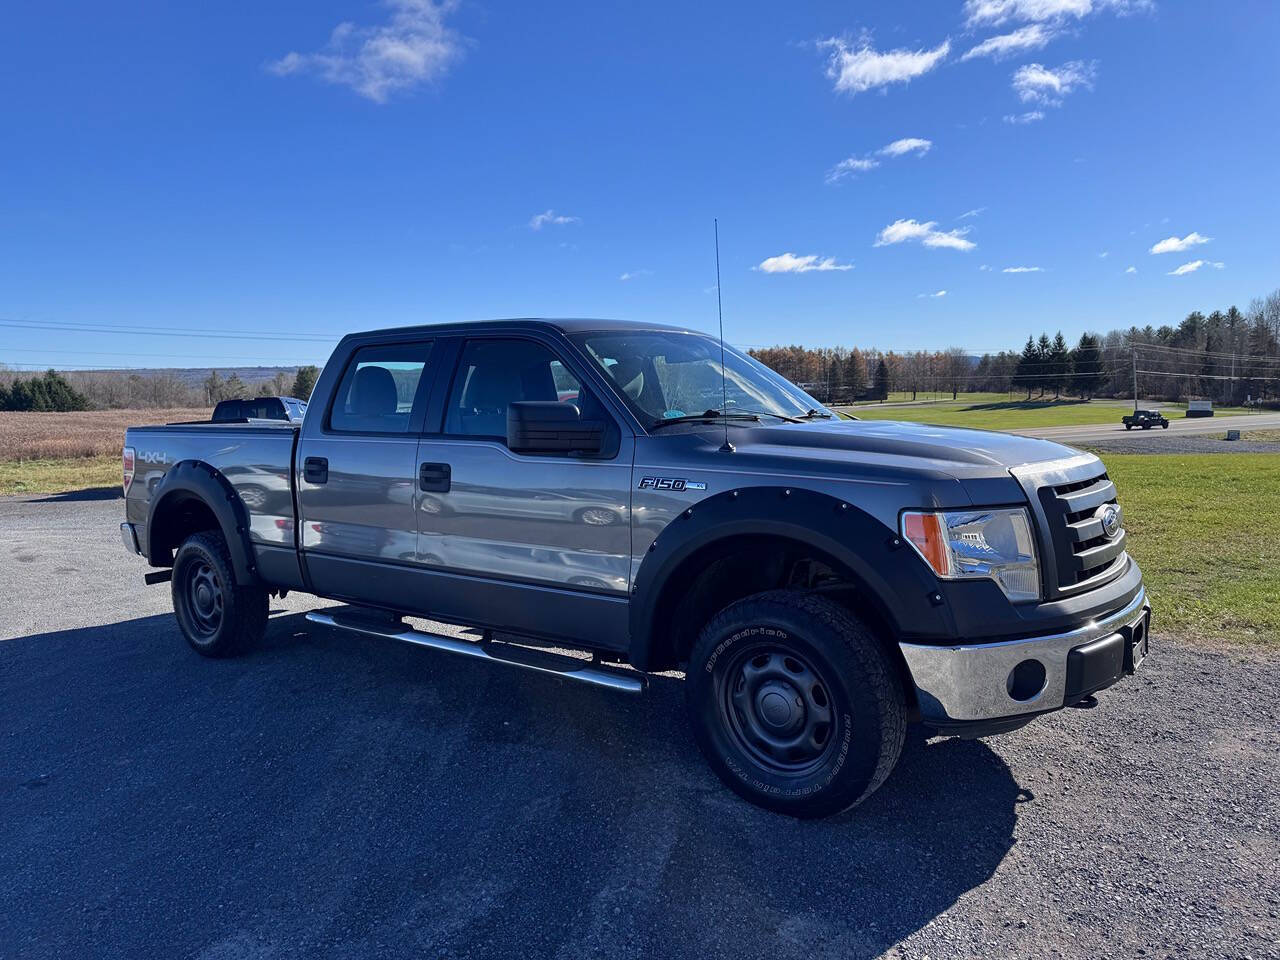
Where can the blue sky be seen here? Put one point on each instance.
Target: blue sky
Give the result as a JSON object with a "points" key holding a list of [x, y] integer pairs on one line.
{"points": [[316, 168]]}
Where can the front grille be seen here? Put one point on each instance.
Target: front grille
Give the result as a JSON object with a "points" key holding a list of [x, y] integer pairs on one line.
{"points": [[1085, 554]]}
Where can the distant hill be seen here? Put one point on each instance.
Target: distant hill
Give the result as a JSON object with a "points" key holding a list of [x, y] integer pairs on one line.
{"points": [[193, 377]]}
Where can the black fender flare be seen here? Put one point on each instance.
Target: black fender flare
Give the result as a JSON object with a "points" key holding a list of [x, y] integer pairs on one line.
{"points": [[194, 479], [895, 580]]}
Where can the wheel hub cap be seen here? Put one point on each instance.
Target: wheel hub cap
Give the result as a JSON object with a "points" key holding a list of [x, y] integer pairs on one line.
{"points": [[777, 708]]}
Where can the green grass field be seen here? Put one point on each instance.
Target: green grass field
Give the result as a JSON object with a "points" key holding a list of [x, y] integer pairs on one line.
{"points": [[58, 476], [1205, 529], [1002, 414]]}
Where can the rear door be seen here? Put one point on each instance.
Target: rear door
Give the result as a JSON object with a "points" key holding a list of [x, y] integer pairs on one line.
{"points": [[357, 469]]}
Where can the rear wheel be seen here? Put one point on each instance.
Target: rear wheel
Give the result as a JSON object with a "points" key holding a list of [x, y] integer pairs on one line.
{"points": [[218, 617], [794, 704]]}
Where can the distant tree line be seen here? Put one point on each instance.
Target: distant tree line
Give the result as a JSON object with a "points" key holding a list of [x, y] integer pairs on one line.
{"points": [[124, 389], [1229, 356]]}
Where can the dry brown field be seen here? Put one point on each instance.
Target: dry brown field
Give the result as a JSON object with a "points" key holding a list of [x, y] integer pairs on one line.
{"points": [[92, 433]]}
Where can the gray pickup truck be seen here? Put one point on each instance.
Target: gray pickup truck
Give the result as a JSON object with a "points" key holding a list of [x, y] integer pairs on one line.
{"points": [[588, 494]]}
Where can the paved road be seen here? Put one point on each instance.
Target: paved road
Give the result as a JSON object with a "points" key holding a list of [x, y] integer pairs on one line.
{"points": [[1196, 427], [327, 796]]}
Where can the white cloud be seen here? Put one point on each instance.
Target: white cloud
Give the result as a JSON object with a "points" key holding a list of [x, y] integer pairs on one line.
{"points": [[850, 166], [972, 213], [856, 69], [903, 231], [1031, 116], [1178, 245], [414, 47], [931, 296], [917, 145], [985, 268], [853, 165], [1036, 83], [1104, 254], [996, 12], [1023, 270], [1031, 37], [790, 263], [1195, 265], [1131, 270], [540, 220], [634, 274]]}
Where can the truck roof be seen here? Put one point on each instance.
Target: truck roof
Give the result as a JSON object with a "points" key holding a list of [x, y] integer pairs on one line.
{"points": [[563, 324]]}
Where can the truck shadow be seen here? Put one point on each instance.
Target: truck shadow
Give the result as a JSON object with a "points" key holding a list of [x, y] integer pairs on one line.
{"points": [[324, 789]]}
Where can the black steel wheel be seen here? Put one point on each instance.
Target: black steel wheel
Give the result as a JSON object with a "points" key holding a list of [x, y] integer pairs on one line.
{"points": [[203, 595], [218, 616], [777, 708], [795, 704]]}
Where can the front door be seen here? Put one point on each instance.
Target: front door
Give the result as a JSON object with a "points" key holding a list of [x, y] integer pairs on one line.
{"points": [[559, 522]]}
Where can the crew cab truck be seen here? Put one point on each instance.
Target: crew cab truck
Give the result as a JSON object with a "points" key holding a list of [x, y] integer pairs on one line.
{"points": [[612, 488]]}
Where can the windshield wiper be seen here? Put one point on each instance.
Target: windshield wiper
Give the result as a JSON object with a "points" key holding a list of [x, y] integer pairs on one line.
{"points": [[815, 415], [709, 415]]}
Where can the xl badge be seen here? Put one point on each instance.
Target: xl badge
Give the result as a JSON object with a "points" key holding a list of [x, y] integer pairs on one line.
{"points": [[671, 483], [1110, 516]]}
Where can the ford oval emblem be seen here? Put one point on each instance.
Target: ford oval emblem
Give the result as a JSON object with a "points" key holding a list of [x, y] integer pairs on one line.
{"points": [[1111, 520]]}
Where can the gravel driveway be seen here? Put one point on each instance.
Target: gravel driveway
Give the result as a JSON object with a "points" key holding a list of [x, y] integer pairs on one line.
{"points": [[332, 796]]}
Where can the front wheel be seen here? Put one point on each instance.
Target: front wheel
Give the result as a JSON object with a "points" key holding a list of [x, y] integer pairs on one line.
{"points": [[794, 704], [218, 617], [1165, 425]]}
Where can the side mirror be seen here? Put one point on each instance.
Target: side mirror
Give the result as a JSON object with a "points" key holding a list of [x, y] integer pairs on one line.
{"points": [[548, 426]]}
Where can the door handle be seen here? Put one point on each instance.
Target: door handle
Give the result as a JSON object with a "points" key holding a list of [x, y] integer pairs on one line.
{"points": [[434, 477], [315, 470]]}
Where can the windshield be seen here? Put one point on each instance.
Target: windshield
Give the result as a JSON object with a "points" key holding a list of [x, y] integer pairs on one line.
{"points": [[666, 374]]}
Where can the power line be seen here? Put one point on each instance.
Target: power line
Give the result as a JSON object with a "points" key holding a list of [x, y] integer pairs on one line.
{"points": [[156, 332]]}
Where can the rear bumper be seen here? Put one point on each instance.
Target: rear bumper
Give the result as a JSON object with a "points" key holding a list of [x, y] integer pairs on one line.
{"points": [[129, 536], [973, 688]]}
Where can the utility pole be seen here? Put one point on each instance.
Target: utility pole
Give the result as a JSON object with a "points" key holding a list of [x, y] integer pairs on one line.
{"points": [[1134, 348]]}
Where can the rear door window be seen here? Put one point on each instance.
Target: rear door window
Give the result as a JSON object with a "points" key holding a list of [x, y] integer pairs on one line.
{"points": [[380, 389]]}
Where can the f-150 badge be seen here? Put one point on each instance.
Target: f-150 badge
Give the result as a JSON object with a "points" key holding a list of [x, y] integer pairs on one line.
{"points": [[671, 483]]}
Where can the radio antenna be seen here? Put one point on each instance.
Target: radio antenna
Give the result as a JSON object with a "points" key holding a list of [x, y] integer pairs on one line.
{"points": [[724, 386]]}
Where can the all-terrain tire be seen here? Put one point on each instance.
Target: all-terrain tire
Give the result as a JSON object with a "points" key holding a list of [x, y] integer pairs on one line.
{"points": [[218, 617], [763, 675]]}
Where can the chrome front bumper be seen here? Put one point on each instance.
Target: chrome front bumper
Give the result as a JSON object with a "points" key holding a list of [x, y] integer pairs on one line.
{"points": [[970, 683]]}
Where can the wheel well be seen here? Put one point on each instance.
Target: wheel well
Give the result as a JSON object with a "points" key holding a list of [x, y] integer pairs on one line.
{"points": [[177, 518], [729, 569]]}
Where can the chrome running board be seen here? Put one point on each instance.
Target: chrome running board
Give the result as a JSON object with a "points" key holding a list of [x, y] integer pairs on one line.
{"points": [[510, 654]]}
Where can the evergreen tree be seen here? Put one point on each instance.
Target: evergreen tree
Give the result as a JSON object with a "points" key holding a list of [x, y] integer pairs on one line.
{"points": [[1028, 367], [855, 374], [234, 388], [304, 382], [1044, 351], [1086, 365], [882, 381], [1059, 364], [213, 387]]}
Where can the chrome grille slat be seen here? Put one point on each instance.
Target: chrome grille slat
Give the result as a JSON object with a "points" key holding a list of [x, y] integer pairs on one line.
{"points": [[1084, 555]]}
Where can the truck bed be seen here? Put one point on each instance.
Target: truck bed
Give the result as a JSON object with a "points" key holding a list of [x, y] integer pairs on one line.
{"points": [[256, 459]]}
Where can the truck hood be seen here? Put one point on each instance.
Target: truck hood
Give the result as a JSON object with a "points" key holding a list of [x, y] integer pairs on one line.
{"points": [[952, 451]]}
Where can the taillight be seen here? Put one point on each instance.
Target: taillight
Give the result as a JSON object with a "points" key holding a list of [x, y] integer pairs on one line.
{"points": [[126, 461]]}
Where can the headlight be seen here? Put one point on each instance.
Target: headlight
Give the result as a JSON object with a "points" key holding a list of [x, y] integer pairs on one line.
{"points": [[990, 544]]}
